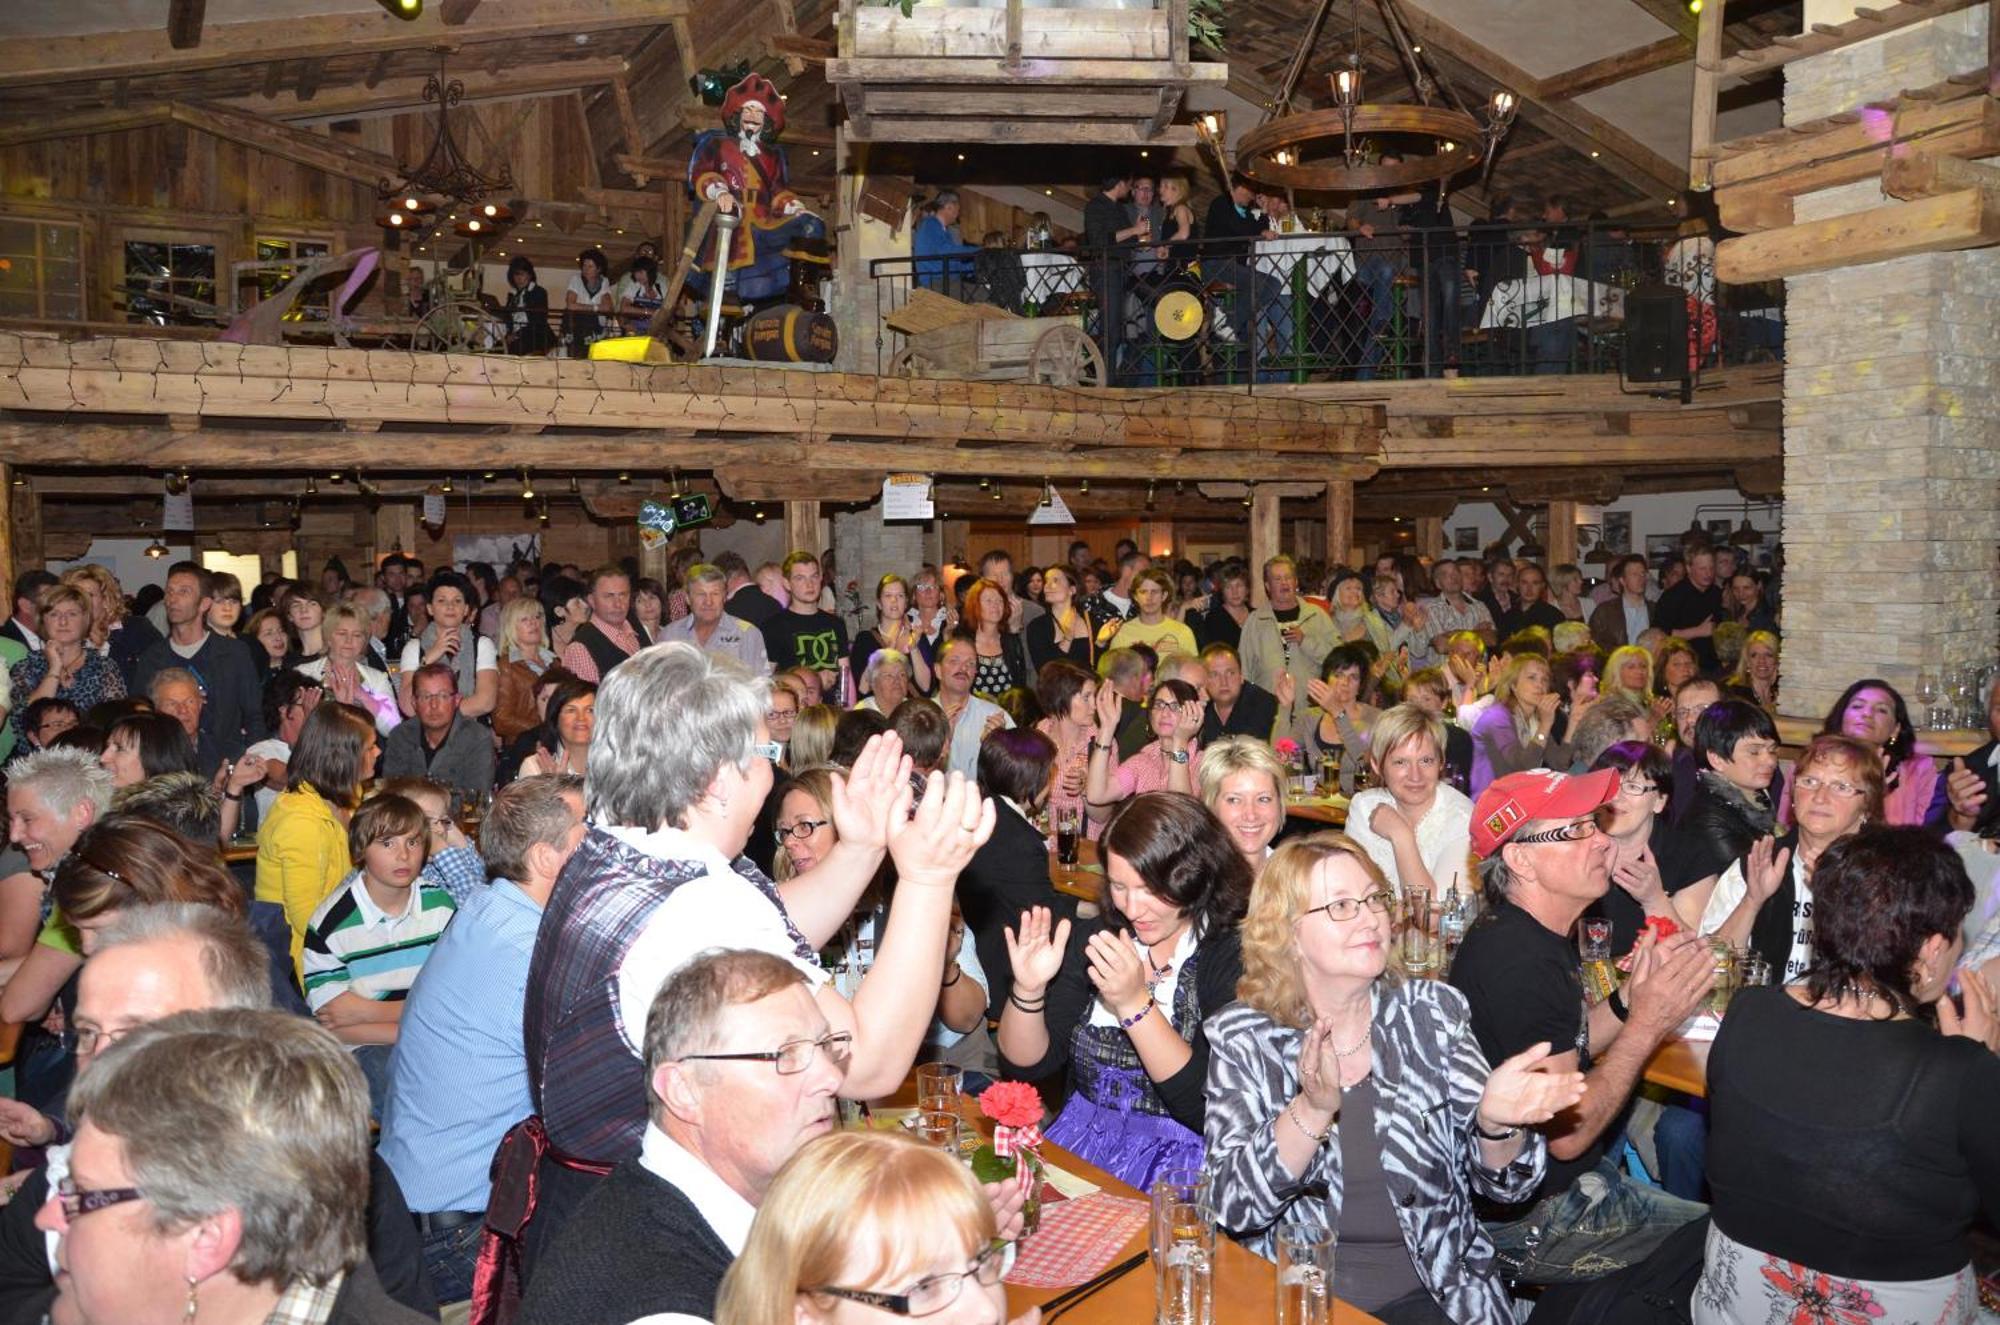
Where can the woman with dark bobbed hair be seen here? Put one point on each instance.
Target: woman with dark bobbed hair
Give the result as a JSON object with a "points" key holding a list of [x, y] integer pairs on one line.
{"points": [[1873, 711], [1851, 1140], [527, 311], [1118, 1001]]}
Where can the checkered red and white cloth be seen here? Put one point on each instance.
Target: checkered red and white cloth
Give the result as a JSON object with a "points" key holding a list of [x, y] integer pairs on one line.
{"points": [[1078, 1239]]}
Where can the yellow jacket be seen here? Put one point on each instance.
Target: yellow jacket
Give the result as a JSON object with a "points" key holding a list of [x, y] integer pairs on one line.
{"points": [[301, 858]]}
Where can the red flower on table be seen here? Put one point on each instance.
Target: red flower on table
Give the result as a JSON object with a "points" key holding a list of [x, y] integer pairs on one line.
{"points": [[1820, 1299], [1011, 1104], [1286, 748]]}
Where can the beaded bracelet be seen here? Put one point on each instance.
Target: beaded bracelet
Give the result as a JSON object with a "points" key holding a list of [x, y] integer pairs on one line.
{"points": [[1138, 1016], [1317, 1138]]}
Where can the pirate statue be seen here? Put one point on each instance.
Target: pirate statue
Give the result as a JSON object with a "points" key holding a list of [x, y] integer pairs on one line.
{"points": [[742, 169]]}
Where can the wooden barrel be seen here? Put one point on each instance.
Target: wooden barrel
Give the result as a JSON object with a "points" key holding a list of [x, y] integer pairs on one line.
{"points": [[785, 333]]}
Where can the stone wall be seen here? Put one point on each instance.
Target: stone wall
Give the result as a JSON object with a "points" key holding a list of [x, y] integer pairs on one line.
{"points": [[1892, 419]]}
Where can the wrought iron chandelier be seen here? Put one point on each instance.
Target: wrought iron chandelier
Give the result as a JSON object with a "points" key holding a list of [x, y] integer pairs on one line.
{"points": [[1276, 151], [446, 176]]}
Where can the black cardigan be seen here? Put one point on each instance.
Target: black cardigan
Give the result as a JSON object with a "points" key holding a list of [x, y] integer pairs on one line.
{"points": [[1071, 994], [1043, 649]]}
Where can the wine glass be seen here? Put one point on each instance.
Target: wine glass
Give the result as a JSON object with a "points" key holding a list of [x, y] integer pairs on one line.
{"points": [[1927, 695]]}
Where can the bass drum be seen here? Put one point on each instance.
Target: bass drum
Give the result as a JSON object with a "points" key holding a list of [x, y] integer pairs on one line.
{"points": [[786, 333]]}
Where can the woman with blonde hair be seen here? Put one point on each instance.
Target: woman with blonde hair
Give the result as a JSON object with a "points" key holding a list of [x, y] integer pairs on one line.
{"points": [[874, 1220], [1757, 670], [343, 670], [1566, 590], [1628, 674], [1333, 1079], [1415, 826], [812, 736], [521, 648], [1512, 734], [1243, 781]]}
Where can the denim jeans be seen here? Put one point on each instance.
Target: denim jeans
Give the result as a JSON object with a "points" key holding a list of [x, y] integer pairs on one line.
{"points": [[1552, 346], [374, 1062], [1377, 276], [449, 1258], [1443, 275], [1603, 1223]]}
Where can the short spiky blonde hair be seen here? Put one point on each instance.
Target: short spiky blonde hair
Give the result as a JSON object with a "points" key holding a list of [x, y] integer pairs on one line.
{"points": [[1272, 982], [1238, 754]]}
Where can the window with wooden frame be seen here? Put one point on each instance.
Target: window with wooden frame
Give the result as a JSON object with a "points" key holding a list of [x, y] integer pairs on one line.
{"points": [[41, 269], [294, 251], [169, 280]]}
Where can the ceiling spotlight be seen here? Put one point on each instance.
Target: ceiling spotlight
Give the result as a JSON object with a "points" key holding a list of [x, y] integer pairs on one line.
{"points": [[543, 514], [996, 494], [312, 488], [156, 549], [334, 477], [985, 483], [1083, 486], [527, 487], [403, 9], [624, 476], [1149, 494], [1048, 493], [445, 487], [574, 489]]}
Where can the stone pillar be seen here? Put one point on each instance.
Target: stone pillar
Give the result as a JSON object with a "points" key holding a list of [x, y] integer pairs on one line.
{"points": [[866, 549], [1892, 415]]}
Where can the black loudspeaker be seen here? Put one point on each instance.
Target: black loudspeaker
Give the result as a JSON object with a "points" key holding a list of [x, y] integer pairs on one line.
{"points": [[1656, 334]]}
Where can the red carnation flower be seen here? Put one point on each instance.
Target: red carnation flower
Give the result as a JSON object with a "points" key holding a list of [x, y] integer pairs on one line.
{"points": [[1011, 1104]]}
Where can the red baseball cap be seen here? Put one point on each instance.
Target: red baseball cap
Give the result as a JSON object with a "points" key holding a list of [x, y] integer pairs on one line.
{"points": [[1540, 793]]}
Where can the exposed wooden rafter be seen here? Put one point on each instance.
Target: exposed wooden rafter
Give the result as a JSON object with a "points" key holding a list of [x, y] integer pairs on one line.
{"points": [[27, 61], [1662, 54], [1822, 37], [184, 20], [398, 96]]}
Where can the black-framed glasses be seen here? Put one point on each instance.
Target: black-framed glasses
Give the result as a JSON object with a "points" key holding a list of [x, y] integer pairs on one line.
{"points": [[77, 1202], [801, 830], [793, 1056], [1575, 831], [1636, 787], [929, 1296], [1346, 908]]}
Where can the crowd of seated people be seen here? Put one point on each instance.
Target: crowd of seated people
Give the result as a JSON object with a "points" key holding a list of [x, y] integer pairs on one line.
{"points": [[548, 1004]]}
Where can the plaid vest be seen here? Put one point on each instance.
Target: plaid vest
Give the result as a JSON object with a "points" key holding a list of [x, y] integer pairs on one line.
{"points": [[588, 1086]]}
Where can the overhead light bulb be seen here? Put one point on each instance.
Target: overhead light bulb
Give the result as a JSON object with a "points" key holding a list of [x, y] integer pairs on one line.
{"points": [[412, 203], [527, 487], [1083, 486], [312, 487], [156, 549], [490, 210], [472, 225], [395, 218]]}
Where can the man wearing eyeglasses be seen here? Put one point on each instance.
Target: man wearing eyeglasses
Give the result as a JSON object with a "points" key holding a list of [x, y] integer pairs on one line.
{"points": [[1544, 861]]}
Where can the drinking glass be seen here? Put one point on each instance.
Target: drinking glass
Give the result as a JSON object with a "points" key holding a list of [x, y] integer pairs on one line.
{"points": [[1753, 971], [1927, 695], [1069, 829], [1329, 775], [1724, 962], [939, 1088], [939, 1129], [1183, 1247], [1419, 930], [1305, 1275]]}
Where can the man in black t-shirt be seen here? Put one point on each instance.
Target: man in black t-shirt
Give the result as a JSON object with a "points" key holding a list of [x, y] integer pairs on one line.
{"points": [[1691, 609], [802, 635], [1544, 861]]}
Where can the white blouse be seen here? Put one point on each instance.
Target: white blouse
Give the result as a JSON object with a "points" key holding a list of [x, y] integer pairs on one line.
{"points": [[1444, 835]]}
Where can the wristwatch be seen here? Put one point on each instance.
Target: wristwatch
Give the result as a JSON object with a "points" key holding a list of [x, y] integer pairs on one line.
{"points": [[1178, 756], [1507, 1134]]}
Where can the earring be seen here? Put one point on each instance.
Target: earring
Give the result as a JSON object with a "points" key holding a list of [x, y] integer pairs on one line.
{"points": [[192, 1306]]}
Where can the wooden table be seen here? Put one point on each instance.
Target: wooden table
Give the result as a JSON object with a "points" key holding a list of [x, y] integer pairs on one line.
{"points": [[1680, 1065], [1083, 880], [1246, 1285]]}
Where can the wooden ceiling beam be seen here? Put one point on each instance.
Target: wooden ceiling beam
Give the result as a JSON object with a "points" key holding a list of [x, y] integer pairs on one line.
{"points": [[1674, 14], [184, 20], [140, 53], [398, 96], [1662, 54], [282, 140]]}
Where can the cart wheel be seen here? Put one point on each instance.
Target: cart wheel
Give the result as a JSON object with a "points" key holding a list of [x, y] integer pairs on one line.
{"points": [[1064, 356], [911, 362]]}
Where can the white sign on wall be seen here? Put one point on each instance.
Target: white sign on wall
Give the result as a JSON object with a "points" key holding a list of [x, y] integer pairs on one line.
{"points": [[1056, 512], [906, 497]]}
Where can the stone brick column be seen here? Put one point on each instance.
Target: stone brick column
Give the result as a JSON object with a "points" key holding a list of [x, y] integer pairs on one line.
{"points": [[1892, 416], [868, 549]]}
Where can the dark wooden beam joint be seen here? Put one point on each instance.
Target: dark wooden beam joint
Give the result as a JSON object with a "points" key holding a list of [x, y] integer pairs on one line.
{"points": [[184, 20]]}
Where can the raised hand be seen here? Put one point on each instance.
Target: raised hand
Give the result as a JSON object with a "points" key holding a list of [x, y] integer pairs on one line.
{"points": [[1967, 793], [1545, 710], [1035, 953], [1107, 706], [1981, 1019], [1286, 689], [952, 822], [1118, 971], [1765, 870], [1188, 719], [1320, 695], [874, 794], [1319, 1069], [1639, 875], [1526, 1090], [1387, 821]]}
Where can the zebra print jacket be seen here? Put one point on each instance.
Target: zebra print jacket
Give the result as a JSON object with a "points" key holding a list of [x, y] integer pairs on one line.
{"points": [[1429, 1074]]}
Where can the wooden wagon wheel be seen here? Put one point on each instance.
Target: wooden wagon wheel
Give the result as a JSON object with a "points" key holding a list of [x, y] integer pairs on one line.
{"points": [[1064, 356], [911, 362], [456, 326]]}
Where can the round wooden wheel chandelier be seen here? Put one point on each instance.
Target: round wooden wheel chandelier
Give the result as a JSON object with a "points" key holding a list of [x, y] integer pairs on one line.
{"points": [[1279, 152]]}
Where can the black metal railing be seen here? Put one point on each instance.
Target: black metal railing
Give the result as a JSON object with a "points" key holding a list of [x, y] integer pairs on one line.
{"points": [[1481, 301]]}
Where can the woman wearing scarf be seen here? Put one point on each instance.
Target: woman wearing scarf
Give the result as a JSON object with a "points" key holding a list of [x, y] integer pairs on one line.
{"points": [[451, 639], [1736, 757]]}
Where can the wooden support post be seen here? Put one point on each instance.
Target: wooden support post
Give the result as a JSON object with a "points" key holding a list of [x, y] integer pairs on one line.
{"points": [[1264, 535], [395, 528], [1430, 537], [1562, 529], [802, 527], [1707, 82], [30, 552], [10, 563], [1339, 522]]}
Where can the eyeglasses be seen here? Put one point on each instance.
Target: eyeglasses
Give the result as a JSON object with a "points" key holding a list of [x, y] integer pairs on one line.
{"points": [[1346, 908], [780, 715], [1809, 784], [801, 830], [76, 1202], [87, 1040], [1575, 831], [1636, 787], [929, 1296], [793, 1056], [770, 750]]}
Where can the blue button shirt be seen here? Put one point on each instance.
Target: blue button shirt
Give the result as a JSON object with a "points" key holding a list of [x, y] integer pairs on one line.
{"points": [[459, 1078]]}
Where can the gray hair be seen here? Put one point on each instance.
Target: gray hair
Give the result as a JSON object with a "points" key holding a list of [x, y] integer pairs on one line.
{"points": [[686, 1013], [945, 197], [1495, 879], [168, 675], [885, 658], [668, 719], [1609, 721], [234, 961], [64, 777], [703, 573], [524, 813], [263, 1113], [373, 602]]}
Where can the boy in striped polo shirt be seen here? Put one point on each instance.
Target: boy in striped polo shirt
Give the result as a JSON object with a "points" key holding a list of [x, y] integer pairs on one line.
{"points": [[367, 941]]}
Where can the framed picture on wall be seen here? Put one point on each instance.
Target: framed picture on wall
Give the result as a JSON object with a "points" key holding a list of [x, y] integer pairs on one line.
{"points": [[1660, 548], [1617, 535], [1465, 538], [1719, 530]]}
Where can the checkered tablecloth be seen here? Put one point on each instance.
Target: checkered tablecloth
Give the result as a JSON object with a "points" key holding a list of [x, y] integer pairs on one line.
{"points": [[1077, 1240]]}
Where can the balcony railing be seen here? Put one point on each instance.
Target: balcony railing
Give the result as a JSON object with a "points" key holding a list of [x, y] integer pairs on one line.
{"points": [[1483, 301]]}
